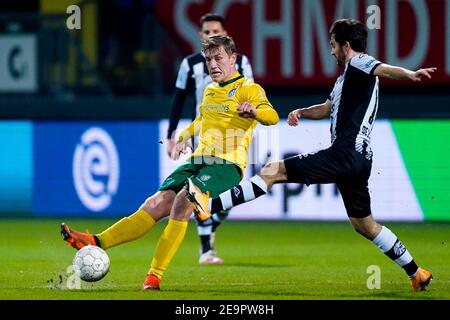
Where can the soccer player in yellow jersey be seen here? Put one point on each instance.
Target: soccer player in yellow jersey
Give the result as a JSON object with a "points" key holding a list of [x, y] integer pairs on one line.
{"points": [[231, 108]]}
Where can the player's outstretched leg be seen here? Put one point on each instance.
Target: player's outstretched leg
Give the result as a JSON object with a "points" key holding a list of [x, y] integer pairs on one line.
{"points": [[247, 190], [127, 229], [392, 247]]}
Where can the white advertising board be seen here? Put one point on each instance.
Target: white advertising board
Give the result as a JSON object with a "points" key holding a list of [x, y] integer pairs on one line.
{"points": [[392, 194]]}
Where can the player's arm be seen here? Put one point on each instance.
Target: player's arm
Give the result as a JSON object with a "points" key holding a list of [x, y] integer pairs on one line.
{"points": [[256, 106], [399, 73], [192, 130], [176, 110], [264, 114], [315, 112], [184, 139], [182, 87]]}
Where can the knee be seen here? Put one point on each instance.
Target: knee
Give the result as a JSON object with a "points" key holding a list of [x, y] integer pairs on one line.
{"points": [[270, 169], [181, 209], [273, 172], [151, 203], [369, 231], [158, 205]]}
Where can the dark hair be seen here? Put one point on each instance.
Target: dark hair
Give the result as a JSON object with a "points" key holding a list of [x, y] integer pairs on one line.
{"points": [[212, 17], [215, 42], [350, 30]]}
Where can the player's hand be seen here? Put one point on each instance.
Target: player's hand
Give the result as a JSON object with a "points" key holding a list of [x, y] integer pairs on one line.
{"points": [[246, 110], [293, 117], [181, 148], [422, 73], [170, 147]]}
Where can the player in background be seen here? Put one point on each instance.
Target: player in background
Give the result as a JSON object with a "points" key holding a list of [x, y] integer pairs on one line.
{"points": [[352, 108], [231, 108], [193, 77]]}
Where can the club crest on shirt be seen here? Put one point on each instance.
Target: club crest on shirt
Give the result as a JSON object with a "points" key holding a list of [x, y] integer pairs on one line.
{"points": [[231, 93], [205, 177]]}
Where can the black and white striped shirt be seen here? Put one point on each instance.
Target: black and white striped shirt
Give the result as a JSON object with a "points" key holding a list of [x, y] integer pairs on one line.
{"points": [[354, 105]]}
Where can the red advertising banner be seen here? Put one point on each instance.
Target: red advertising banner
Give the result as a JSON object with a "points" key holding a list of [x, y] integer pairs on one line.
{"points": [[287, 40]]}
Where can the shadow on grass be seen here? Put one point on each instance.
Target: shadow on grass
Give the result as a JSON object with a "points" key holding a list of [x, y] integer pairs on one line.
{"points": [[248, 292], [260, 265]]}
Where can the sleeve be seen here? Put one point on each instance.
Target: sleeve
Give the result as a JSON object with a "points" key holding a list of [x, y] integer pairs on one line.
{"points": [[365, 63], [183, 75], [255, 95], [246, 68], [265, 113], [177, 109], [192, 130]]}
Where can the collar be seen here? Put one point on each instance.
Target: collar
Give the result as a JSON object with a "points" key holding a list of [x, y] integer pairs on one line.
{"points": [[236, 78]]}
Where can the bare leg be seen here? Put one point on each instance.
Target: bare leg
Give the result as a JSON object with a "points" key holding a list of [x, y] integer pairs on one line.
{"points": [[159, 205], [367, 227]]}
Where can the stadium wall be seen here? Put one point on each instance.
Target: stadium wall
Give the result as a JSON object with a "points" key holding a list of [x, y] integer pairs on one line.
{"points": [[107, 168]]}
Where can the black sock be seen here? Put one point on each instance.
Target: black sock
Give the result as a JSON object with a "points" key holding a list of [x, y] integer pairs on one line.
{"points": [[216, 205], [215, 222], [205, 242], [410, 268]]}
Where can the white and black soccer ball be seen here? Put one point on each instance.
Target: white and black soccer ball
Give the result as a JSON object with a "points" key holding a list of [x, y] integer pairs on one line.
{"points": [[91, 263]]}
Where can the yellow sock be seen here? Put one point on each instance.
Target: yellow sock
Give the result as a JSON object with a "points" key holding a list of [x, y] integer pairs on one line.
{"points": [[126, 229], [167, 246]]}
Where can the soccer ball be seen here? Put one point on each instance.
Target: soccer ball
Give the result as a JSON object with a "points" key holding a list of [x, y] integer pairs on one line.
{"points": [[91, 263]]}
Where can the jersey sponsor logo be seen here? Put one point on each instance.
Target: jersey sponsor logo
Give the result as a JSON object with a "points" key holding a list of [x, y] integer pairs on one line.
{"points": [[216, 108], [231, 93], [365, 131], [305, 155], [96, 169]]}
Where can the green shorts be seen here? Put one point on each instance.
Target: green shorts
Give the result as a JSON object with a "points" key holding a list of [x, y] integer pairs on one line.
{"points": [[208, 175]]}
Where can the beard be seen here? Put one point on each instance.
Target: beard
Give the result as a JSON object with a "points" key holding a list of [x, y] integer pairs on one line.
{"points": [[340, 57]]}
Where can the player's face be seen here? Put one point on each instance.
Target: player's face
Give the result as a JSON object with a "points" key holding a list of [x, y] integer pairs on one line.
{"points": [[211, 28], [220, 64], [337, 51]]}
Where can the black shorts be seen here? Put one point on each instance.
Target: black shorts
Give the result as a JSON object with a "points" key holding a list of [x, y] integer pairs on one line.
{"points": [[347, 168]]}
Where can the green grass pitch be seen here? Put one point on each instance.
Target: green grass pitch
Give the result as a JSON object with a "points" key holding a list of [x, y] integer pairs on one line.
{"points": [[263, 260]]}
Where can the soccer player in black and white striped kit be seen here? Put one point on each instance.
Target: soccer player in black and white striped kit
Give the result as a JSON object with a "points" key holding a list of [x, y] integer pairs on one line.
{"points": [[352, 107], [193, 78]]}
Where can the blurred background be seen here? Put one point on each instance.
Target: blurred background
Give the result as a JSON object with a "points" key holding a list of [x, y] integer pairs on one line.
{"points": [[84, 111]]}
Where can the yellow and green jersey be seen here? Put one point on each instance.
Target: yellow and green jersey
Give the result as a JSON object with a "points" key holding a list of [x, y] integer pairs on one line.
{"points": [[222, 132]]}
